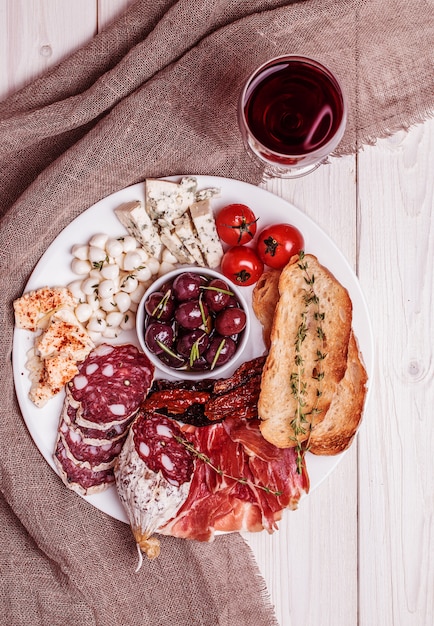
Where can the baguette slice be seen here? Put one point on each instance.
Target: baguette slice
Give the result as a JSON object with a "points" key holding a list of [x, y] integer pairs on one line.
{"points": [[278, 405], [264, 300], [336, 431]]}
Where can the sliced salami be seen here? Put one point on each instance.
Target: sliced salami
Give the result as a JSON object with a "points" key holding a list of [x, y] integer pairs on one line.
{"points": [[93, 436], [155, 438], [80, 479], [99, 456], [110, 385], [100, 404], [153, 474]]}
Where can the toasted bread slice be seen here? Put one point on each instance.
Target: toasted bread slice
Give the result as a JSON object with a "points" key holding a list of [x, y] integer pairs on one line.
{"points": [[336, 431], [308, 352], [264, 300]]}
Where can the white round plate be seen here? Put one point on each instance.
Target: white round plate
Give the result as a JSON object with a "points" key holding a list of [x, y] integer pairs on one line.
{"points": [[54, 269]]}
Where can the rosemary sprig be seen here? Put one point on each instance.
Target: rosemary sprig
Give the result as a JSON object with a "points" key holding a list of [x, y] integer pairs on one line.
{"points": [[217, 354], [195, 351], [217, 289], [301, 423], [167, 350], [205, 458], [159, 309]]}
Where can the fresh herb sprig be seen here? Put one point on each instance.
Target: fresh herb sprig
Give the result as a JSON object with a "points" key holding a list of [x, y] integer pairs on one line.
{"points": [[301, 423], [205, 458]]}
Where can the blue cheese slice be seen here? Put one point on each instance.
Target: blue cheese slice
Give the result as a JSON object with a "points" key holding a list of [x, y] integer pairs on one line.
{"points": [[208, 193], [204, 222], [176, 247], [135, 218], [185, 230], [166, 201]]}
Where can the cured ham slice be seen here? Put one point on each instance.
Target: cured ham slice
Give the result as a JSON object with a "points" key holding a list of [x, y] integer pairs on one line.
{"points": [[190, 482], [87, 447], [253, 484]]}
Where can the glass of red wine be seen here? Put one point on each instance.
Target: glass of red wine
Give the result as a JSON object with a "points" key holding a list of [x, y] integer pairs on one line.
{"points": [[292, 116]]}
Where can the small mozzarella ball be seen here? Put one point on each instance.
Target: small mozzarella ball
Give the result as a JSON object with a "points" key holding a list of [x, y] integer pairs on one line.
{"points": [[80, 267], [110, 271], [137, 294], [97, 324], [99, 240], [80, 251], [143, 254], [111, 332], [129, 284], [95, 336], [97, 255], [165, 267], [154, 265], [119, 260], [93, 300], [168, 256], [132, 260], [123, 300], [106, 289], [75, 289], [129, 243], [114, 318], [90, 286], [114, 247], [128, 321], [107, 304], [143, 274], [96, 274], [83, 312]]}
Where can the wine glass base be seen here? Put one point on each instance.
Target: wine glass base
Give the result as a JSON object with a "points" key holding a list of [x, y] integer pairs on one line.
{"points": [[272, 171]]}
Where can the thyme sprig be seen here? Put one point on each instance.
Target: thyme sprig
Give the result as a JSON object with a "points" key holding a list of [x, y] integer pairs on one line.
{"points": [[301, 423], [205, 458]]}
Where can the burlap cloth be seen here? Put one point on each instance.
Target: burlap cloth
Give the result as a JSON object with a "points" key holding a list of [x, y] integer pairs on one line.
{"points": [[156, 94]]}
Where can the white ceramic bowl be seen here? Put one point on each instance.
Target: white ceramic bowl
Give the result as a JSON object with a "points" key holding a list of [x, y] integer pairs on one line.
{"points": [[185, 373]]}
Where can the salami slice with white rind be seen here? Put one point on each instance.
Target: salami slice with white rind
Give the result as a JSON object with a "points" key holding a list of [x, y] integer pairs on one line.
{"points": [[100, 456], [110, 385], [80, 479], [93, 436], [113, 379], [153, 474]]}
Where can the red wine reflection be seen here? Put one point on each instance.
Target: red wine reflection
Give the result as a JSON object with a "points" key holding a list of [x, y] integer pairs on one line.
{"points": [[293, 108]]}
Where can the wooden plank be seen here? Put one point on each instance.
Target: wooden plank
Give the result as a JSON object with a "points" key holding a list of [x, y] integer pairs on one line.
{"points": [[109, 10], [36, 35], [310, 564], [396, 190]]}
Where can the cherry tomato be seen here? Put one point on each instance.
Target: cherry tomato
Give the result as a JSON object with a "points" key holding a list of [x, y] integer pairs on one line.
{"points": [[276, 244], [242, 265], [236, 224]]}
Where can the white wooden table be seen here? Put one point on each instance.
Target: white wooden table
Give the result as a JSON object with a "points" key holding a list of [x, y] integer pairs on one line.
{"points": [[360, 549]]}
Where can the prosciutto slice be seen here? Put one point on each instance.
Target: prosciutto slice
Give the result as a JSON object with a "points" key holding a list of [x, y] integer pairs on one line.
{"points": [[244, 486]]}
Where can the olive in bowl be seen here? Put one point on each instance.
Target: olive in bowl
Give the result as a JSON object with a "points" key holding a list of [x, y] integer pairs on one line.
{"points": [[192, 323]]}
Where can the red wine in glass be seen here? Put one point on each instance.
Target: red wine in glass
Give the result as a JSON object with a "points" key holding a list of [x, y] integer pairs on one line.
{"points": [[292, 115]]}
